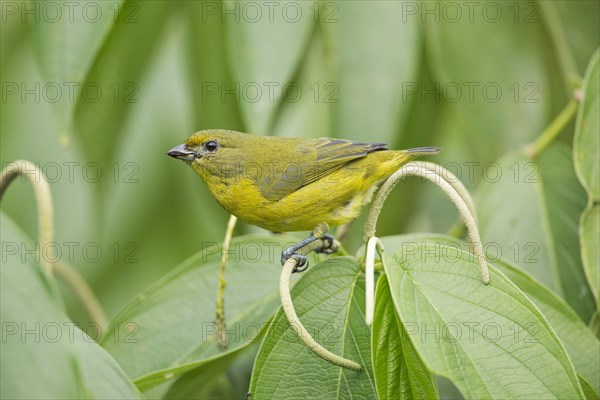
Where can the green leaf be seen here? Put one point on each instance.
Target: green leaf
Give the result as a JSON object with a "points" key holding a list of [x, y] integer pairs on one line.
{"points": [[198, 383], [370, 64], [398, 369], [308, 115], [492, 65], [586, 144], [44, 354], [67, 37], [529, 213], [590, 252], [587, 389], [576, 27], [491, 341], [12, 32], [265, 46], [168, 329], [580, 342], [594, 324], [587, 164], [329, 301], [211, 81], [118, 70]]}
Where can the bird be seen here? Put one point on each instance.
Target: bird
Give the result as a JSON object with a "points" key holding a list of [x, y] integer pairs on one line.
{"points": [[287, 184]]}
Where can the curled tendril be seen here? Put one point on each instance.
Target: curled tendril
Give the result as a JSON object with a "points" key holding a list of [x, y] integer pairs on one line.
{"points": [[372, 245], [290, 313], [453, 181], [64, 271], [43, 198], [455, 191]]}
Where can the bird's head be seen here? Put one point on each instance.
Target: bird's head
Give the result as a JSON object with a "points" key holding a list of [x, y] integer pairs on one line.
{"points": [[208, 151]]}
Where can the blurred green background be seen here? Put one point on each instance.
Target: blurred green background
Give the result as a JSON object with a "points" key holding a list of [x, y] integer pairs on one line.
{"points": [[98, 94]]}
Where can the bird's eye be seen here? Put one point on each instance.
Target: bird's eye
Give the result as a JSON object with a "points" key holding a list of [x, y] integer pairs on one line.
{"points": [[211, 145]]}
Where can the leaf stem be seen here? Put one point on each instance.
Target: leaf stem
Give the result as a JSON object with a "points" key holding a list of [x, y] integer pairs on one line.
{"points": [[65, 272], [552, 131], [341, 251], [221, 332]]}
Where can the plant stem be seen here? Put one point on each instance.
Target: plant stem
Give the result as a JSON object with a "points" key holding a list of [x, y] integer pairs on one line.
{"points": [[220, 314], [551, 132]]}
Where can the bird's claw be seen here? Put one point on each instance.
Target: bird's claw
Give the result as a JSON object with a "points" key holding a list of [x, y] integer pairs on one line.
{"points": [[301, 262], [329, 247], [286, 254]]}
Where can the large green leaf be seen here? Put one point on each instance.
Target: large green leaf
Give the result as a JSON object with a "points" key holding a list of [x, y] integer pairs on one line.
{"points": [[67, 38], [491, 62], [529, 213], [491, 341], [213, 107], [590, 251], [589, 393], [580, 342], [309, 116], [398, 369], [265, 44], [117, 71], [586, 145], [201, 382], [173, 319], [44, 354], [587, 164], [329, 300], [371, 64], [12, 32], [573, 25]]}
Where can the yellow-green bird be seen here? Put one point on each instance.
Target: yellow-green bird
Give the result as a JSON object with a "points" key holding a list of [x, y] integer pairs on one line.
{"points": [[291, 184]]}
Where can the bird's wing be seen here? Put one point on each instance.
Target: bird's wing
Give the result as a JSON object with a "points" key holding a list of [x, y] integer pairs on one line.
{"points": [[319, 158]]}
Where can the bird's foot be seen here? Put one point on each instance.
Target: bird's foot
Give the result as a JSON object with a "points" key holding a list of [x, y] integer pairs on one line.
{"points": [[290, 252], [329, 246]]}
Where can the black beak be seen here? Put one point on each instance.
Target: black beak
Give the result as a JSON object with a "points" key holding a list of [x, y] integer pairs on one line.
{"points": [[182, 152]]}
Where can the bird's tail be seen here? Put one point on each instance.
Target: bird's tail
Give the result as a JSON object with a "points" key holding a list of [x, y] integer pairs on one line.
{"points": [[423, 151]]}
